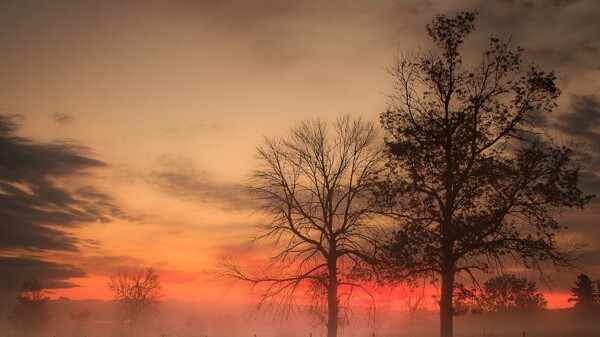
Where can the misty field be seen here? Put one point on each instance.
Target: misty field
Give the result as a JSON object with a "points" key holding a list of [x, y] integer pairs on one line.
{"points": [[212, 320]]}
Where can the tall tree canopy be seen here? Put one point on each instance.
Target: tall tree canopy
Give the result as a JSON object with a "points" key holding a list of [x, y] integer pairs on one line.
{"points": [[473, 180]]}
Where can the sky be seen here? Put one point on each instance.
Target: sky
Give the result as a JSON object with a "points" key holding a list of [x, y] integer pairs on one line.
{"points": [[132, 125]]}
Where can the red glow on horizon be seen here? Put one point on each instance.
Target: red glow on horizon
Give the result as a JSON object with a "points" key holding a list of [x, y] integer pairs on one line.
{"points": [[194, 287]]}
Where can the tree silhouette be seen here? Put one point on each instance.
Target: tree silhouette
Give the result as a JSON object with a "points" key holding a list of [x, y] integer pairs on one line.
{"points": [[586, 293], [30, 316], [312, 187], [473, 180], [464, 300], [510, 293], [138, 294]]}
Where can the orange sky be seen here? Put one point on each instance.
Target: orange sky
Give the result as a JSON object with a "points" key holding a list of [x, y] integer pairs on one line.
{"points": [[168, 90]]}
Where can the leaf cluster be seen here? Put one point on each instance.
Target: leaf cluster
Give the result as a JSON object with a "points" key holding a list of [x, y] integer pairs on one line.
{"points": [[472, 178]]}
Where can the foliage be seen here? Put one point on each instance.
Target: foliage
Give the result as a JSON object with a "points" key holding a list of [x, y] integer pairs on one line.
{"points": [[586, 293], [30, 316], [465, 300], [138, 294], [473, 180], [510, 293], [504, 293], [312, 187]]}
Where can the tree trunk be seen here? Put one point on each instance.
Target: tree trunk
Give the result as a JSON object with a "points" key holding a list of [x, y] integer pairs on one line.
{"points": [[332, 301], [446, 306]]}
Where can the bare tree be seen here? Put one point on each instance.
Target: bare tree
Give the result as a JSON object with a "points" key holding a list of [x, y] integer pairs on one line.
{"points": [[138, 294], [474, 180], [413, 298], [312, 188], [30, 316]]}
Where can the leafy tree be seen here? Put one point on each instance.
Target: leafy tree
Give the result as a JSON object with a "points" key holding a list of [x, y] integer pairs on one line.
{"points": [[138, 294], [313, 188], [586, 293], [465, 300], [30, 316], [510, 293], [473, 179], [413, 298]]}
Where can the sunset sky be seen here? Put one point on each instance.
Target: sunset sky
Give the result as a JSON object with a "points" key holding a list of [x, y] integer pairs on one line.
{"points": [[148, 113]]}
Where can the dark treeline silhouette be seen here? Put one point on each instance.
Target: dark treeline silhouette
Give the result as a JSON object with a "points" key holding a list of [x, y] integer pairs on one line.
{"points": [[503, 305], [504, 293]]}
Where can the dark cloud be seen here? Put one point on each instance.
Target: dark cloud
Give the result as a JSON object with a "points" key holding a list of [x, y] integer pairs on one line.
{"points": [[62, 118], [413, 7], [109, 264], [91, 243], [53, 275], [276, 36], [538, 3], [590, 183], [178, 176], [583, 120], [39, 194]]}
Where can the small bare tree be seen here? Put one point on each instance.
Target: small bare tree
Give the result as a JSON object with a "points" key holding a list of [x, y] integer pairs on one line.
{"points": [[312, 187], [413, 298], [138, 294], [30, 316]]}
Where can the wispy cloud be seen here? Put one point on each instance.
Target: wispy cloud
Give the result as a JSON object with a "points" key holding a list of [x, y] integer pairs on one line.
{"points": [[107, 264], [194, 129], [177, 176], [583, 120], [62, 118]]}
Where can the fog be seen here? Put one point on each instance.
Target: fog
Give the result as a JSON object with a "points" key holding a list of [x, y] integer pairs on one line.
{"points": [[217, 319]]}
